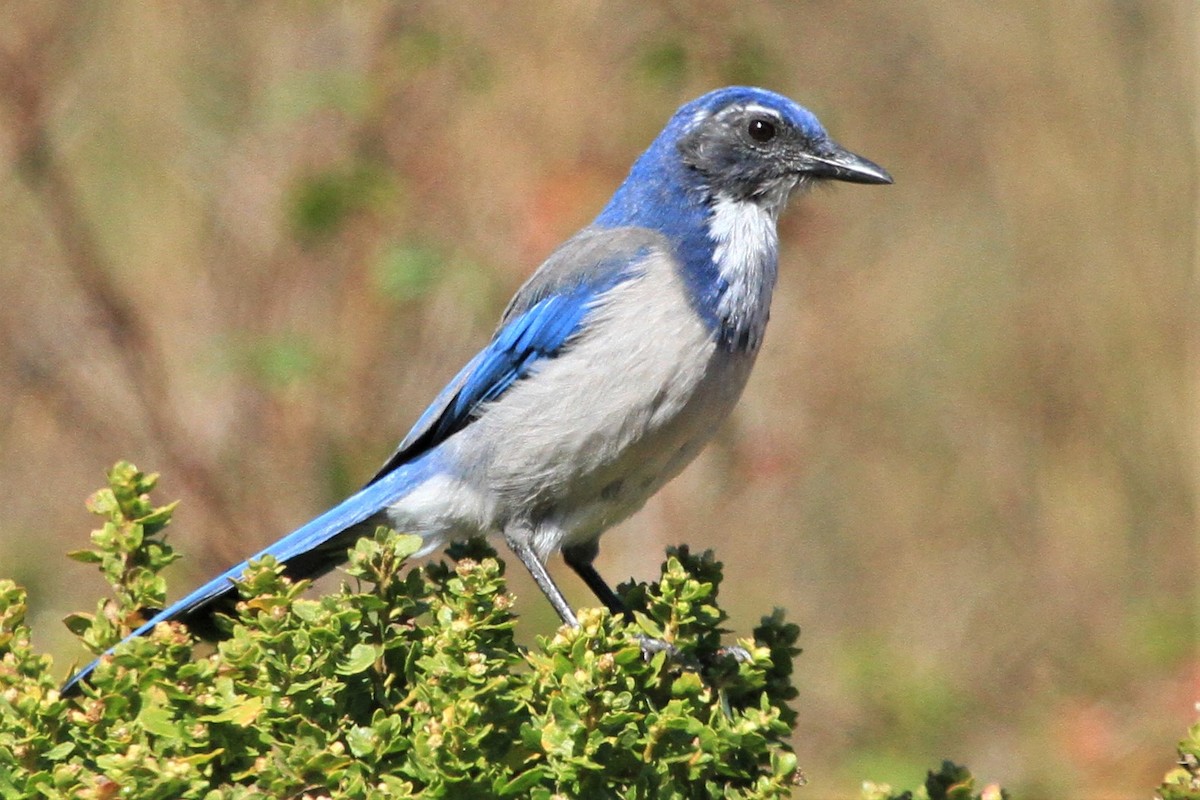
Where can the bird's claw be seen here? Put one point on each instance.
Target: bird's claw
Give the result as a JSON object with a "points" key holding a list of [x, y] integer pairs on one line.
{"points": [[652, 647], [739, 654]]}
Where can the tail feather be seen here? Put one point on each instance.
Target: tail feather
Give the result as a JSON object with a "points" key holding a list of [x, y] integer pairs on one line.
{"points": [[311, 550]]}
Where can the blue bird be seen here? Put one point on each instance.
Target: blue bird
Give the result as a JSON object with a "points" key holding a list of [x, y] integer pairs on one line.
{"points": [[611, 367]]}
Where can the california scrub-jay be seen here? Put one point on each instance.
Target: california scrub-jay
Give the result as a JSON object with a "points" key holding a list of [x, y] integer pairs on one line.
{"points": [[611, 367]]}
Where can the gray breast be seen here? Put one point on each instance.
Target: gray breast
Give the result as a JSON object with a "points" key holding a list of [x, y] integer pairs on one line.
{"points": [[605, 424]]}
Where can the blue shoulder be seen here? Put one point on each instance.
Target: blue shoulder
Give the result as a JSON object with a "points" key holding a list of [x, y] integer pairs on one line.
{"points": [[539, 323]]}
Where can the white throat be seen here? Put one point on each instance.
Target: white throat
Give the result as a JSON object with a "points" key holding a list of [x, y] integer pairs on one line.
{"points": [[746, 255]]}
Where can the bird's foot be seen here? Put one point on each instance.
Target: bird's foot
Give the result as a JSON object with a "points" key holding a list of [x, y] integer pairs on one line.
{"points": [[652, 647], [739, 654]]}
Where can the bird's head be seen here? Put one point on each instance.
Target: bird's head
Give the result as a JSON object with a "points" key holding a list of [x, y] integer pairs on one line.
{"points": [[752, 144]]}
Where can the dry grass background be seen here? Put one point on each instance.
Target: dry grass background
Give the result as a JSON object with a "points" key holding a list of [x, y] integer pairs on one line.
{"points": [[244, 244]]}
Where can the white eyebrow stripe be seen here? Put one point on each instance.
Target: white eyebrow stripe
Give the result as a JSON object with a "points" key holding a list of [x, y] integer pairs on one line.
{"points": [[770, 112]]}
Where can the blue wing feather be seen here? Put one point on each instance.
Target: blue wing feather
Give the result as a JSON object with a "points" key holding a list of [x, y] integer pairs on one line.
{"points": [[539, 323]]}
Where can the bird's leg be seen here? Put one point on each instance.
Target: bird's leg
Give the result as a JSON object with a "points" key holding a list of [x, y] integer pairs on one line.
{"points": [[518, 542], [579, 558]]}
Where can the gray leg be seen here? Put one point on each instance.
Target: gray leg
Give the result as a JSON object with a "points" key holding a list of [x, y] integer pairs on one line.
{"points": [[518, 542]]}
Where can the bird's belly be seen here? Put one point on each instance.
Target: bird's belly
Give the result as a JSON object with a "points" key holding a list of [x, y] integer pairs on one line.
{"points": [[596, 499], [604, 426]]}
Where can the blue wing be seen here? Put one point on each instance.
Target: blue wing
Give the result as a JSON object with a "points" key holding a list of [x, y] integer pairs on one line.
{"points": [[538, 324]]}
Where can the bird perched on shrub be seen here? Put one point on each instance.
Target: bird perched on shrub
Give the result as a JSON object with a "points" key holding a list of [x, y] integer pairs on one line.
{"points": [[611, 367]]}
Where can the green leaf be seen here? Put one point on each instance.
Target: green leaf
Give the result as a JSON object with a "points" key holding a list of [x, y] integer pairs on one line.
{"points": [[359, 659], [79, 623], [59, 751], [242, 713], [405, 545], [84, 556], [157, 719], [361, 741], [523, 782]]}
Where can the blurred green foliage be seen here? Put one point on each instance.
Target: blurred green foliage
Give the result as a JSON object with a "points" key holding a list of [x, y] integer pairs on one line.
{"points": [[404, 272], [665, 62], [321, 203], [272, 361]]}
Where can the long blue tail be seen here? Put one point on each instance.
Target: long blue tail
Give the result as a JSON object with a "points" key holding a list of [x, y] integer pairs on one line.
{"points": [[309, 551]]}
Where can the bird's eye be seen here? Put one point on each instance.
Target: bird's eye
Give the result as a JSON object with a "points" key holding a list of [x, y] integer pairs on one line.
{"points": [[761, 130]]}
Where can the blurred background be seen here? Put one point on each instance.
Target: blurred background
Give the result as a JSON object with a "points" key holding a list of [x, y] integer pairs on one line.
{"points": [[244, 244]]}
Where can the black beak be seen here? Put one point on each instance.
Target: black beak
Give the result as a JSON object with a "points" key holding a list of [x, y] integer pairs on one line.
{"points": [[833, 162]]}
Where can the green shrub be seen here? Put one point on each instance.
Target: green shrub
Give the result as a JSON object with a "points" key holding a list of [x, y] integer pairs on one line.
{"points": [[1183, 782], [406, 682], [951, 782]]}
